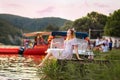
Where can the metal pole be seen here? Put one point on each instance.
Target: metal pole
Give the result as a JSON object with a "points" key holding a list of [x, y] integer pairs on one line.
{"points": [[89, 33]]}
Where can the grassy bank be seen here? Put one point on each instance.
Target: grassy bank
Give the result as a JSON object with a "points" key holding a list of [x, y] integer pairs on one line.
{"points": [[84, 71]]}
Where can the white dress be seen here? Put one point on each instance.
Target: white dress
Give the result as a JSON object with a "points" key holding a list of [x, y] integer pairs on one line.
{"points": [[65, 53]]}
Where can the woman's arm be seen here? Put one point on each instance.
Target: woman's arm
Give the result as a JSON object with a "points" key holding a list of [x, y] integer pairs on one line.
{"points": [[76, 52]]}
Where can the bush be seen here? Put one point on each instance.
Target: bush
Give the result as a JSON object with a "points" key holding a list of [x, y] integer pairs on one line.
{"points": [[104, 72], [113, 55], [68, 70], [75, 70]]}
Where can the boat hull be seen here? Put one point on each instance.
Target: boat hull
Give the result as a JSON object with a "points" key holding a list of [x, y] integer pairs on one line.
{"points": [[9, 50], [37, 50]]}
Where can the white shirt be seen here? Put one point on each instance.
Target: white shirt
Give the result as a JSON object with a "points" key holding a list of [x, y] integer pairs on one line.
{"points": [[97, 42], [104, 48]]}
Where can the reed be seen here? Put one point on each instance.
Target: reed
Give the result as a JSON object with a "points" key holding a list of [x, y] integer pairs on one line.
{"points": [[83, 71]]}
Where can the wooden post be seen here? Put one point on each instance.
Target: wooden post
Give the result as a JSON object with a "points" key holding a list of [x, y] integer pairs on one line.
{"points": [[89, 33]]}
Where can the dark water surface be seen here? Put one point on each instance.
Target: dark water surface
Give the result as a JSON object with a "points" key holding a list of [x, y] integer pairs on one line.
{"points": [[15, 67]]}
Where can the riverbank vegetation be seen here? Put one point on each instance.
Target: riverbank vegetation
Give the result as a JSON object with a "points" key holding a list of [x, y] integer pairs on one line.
{"points": [[74, 70]]}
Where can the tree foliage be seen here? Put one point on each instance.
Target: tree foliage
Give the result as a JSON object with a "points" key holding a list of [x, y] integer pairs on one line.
{"points": [[112, 27], [67, 25], [9, 34], [51, 28], [93, 20]]}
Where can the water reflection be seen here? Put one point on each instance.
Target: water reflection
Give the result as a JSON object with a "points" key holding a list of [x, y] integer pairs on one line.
{"points": [[15, 67]]}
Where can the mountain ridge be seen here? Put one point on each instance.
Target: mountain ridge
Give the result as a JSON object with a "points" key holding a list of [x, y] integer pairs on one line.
{"points": [[33, 24], [13, 25]]}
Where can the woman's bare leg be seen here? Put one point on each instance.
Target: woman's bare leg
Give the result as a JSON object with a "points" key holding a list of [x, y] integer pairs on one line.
{"points": [[46, 57]]}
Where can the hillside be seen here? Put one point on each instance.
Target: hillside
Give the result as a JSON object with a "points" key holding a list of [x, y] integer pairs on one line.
{"points": [[8, 33], [11, 26], [30, 24]]}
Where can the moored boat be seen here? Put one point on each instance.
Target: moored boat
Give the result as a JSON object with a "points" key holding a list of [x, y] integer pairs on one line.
{"points": [[38, 49]]}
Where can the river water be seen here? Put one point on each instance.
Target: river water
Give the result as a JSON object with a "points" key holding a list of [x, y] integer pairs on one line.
{"points": [[16, 67]]}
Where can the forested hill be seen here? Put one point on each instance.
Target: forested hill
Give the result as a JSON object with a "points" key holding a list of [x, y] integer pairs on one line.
{"points": [[9, 34], [36, 24], [12, 25]]}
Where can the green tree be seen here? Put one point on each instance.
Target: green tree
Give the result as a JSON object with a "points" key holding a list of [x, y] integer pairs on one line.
{"points": [[112, 27], [67, 25], [8, 33], [92, 21], [51, 28]]}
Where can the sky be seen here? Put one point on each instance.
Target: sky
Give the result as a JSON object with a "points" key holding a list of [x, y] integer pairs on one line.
{"points": [[67, 9]]}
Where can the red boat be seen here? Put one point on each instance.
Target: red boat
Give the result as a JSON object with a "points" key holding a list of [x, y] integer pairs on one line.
{"points": [[8, 50], [39, 46], [38, 49]]}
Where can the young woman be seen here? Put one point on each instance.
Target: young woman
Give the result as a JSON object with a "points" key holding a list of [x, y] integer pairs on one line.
{"points": [[69, 44]]}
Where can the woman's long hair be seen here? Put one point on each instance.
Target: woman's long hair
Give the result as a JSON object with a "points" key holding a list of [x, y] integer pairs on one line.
{"points": [[72, 35]]}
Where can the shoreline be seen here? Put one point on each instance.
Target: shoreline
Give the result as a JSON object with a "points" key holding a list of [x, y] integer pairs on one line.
{"points": [[9, 46]]}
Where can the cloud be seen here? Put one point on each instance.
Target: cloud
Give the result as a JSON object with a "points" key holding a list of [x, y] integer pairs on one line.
{"points": [[70, 9], [46, 10], [101, 5], [13, 5]]}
